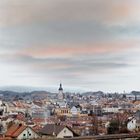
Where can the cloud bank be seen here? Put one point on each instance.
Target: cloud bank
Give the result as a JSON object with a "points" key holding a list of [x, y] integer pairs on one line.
{"points": [[87, 44]]}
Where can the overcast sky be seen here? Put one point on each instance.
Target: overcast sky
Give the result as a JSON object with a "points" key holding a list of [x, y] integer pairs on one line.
{"points": [[86, 44]]}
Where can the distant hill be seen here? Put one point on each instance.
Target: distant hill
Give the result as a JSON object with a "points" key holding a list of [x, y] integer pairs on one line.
{"points": [[135, 92], [23, 93], [7, 92], [97, 93]]}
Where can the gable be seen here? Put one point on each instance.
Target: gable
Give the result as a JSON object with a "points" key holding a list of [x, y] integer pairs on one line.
{"points": [[28, 133], [65, 133]]}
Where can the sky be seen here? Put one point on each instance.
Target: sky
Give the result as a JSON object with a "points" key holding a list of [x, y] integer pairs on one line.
{"points": [[85, 44]]}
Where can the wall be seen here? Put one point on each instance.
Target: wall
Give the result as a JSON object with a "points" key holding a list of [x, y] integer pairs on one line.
{"points": [[65, 132], [27, 131]]}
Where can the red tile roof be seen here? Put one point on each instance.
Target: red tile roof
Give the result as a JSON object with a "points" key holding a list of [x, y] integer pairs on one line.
{"points": [[15, 130], [37, 128], [21, 117], [6, 138]]}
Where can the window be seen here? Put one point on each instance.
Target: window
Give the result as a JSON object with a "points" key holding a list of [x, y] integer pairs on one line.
{"points": [[24, 135], [30, 134], [64, 131]]}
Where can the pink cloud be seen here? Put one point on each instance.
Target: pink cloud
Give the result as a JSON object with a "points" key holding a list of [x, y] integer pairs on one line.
{"points": [[23, 12], [68, 50]]}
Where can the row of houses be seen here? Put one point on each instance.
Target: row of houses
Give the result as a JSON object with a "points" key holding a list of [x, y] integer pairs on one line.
{"points": [[20, 132]]}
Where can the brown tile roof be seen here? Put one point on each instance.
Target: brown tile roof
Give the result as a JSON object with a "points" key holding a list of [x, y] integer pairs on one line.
{"points": [[37, 128], [15, 130], [49, 129], [136, 102]]}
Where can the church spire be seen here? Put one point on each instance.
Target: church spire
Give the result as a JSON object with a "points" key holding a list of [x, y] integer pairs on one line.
{"points": [[60, 88], [60, 93]]}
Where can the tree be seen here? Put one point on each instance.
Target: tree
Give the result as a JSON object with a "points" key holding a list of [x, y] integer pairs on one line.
{"points": [[113, 127]]}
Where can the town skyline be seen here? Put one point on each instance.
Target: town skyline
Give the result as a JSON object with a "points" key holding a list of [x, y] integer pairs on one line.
{"points": [[54, 89]]}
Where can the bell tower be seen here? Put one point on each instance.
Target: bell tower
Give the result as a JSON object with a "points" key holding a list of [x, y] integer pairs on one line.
{"points": [[60, 92]]}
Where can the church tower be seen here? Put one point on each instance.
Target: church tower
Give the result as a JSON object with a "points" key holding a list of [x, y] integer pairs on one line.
{"points": [[60, 92]]}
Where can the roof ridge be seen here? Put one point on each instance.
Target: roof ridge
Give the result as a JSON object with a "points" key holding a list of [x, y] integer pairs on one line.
{"points": [[10, 128], [14, 131], [15, 135]]}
